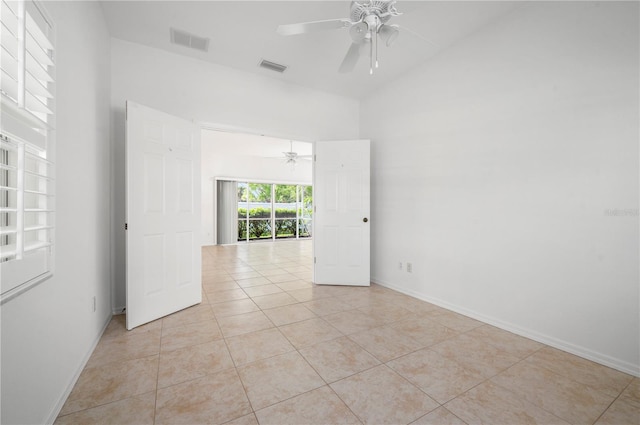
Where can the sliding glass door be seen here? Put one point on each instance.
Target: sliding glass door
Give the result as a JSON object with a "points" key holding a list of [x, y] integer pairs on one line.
{"points": [[274, 211]]}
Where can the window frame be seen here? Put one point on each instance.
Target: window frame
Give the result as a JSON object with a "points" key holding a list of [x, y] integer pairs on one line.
{"points": [[27, 128]]}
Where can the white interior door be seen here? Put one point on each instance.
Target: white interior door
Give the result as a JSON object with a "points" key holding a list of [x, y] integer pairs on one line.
{"points": [[163, 214], [341, 213]]}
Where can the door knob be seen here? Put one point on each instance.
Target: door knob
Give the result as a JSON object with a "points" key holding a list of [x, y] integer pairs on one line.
{"points": [[365, 219]]}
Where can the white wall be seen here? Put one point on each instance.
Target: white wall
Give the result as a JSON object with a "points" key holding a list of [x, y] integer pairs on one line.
{"points": [[506, 151], [211, 93], [218, 162], [49, 331]]}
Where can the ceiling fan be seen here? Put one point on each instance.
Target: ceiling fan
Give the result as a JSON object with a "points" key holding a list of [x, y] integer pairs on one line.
{"points": [[291, 157], [367, 22]]}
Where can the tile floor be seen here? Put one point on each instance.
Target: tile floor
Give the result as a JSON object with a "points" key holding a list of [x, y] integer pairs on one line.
{"points": [[266, 346]]}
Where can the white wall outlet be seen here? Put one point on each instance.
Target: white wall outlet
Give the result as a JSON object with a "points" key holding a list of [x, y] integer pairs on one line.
{"points": [[409, 268], [94, 303], [400, 265]]}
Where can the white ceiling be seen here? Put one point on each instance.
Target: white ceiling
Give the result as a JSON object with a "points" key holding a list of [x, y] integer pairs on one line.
{"points": [[232, 143], [244, 32]]}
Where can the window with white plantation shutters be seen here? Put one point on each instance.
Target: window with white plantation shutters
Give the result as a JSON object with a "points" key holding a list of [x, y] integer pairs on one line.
{"points": [[26, 146]]}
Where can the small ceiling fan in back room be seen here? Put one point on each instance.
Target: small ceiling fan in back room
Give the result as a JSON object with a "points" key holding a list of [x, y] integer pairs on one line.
{"points": [[291, 157], [368, 23]]}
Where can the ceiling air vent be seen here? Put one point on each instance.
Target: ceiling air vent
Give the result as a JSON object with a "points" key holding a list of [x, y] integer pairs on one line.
{"points": [[191, 41], [272, 66]]}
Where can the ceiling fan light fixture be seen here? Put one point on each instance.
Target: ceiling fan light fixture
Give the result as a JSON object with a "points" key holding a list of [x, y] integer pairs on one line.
{"points": [[389, 34]]}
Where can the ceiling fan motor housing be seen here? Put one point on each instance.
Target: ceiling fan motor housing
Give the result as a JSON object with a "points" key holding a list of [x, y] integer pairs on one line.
{"points": [[384, 10]]}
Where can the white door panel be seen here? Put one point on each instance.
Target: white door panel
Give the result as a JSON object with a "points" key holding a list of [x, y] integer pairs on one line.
{"points": [[163, 214], [341, 202]]}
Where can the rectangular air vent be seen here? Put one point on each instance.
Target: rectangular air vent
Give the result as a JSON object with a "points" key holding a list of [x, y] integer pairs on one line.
{"points": [[191, 41], [272, 66]]}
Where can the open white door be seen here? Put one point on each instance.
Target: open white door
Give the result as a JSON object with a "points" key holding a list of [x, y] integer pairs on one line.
{"points": [[341, 213], [163, 214]]}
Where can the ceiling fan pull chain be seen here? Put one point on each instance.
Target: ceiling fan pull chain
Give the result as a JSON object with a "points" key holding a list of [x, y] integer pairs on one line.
{"points": [[371, 53], [376, 37]]}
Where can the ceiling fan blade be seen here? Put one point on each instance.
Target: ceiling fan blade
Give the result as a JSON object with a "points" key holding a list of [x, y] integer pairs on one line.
{"points": [[306, 27], [351, 58], [413, 33]]}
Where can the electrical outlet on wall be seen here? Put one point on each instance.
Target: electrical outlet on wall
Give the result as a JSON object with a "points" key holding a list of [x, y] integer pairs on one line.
{"points": [[409, 268], [400, 265]]}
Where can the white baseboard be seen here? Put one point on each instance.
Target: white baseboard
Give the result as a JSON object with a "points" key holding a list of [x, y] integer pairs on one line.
{"points": [[118, 310], [580, 351], [60, 404]]}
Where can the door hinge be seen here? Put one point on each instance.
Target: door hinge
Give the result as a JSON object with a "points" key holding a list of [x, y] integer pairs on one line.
{"points": [[126, 226], [314, 260], [315, 158]]}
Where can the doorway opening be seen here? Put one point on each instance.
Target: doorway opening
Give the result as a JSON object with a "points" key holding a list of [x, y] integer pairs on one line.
{"points": [[255, 188]]}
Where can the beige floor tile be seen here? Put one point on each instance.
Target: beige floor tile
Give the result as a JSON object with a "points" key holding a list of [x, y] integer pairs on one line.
{"points": [[326, 306], [584, 371], [215, 276], [239, 268], [417, 306], [260, 290], [623, 411], [338, 358], [320, 406], [249, 419], [490, 404], [245, 275], [308, 294], [353, 321], [565, 398], [195, 314], [289, 314], [309, 332], [441, 378], [380, 396], [475, 354], [368, 299], [216, 398], [278, 378], [258, 345], [424, 330], [137, 410], [111, 382], [127, 346], [118, 327], [198, 382], [266, 267], [294, 284], [274, 300], [308, 276], [276, 270], [186, 335], [507, 342], [279, 278], [633, 389], [193, 362], [254, 281], [386, 343], [231, 308], [440, 416], [453, 320], [220, 286], [297, 269], [244, 323], [226, 295], [388, 313]]}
